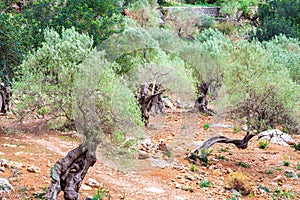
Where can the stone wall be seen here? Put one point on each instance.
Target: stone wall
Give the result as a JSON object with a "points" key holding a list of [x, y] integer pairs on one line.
{"points": [[211, 11]]}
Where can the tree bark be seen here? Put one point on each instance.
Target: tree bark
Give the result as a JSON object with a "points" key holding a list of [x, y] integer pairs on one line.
{"points": [[150, 101], [68, 173], [202, 102], [241, 144]]}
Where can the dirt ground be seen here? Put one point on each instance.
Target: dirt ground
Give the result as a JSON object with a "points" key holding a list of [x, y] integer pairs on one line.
{"points": [[264, 173]]}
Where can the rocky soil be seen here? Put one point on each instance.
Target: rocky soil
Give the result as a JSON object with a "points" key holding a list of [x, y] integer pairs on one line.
{"points": [[161, 170]]}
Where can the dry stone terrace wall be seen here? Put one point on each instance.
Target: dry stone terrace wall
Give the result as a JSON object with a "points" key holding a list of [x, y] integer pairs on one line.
{"points": [[211, 11]]}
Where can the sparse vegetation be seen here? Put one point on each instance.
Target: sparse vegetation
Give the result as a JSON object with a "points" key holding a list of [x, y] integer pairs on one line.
{"points": [[205, 183], [279, 194], [242, 164], [206, 126], [239, 182], [102, 194], [193, 168], [263, 144], [269, 171]]}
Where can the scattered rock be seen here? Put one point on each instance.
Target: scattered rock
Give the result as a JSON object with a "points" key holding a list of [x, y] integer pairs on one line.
{"points": [[279, 180], [190, 177], [34, 169], [290, 173], [146, 143], [168, 103], [154, 190], [143, 155], [1, 153], [221, 125], [85, 187], [5, 186], [92, 182], [4, 163], [277, 137], [9, 145]]}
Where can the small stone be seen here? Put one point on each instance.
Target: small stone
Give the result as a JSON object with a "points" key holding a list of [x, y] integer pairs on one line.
{"points": [[4, 163], [1, 153], [279, 180], [178, 186], [190, 177], [143, 155], [34, 169], [154, 190], [9, 145], [85, 187], [92, 182]]}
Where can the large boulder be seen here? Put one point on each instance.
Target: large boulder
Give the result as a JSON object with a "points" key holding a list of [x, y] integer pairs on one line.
{"points": [[276, 136]]}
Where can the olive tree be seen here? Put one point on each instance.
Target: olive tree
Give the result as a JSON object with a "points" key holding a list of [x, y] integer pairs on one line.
{"points": [[67, 77], [106, 114], [259, 93], [47, 75], [149, 70]]}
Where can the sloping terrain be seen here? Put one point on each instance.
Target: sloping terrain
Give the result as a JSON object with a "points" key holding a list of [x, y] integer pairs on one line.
{"points": [[270, 173]]}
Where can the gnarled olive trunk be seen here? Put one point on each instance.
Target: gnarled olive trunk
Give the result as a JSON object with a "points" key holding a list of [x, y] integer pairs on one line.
{"points": [[201, 101], [150, 100], [68, 173], [241, 144]]}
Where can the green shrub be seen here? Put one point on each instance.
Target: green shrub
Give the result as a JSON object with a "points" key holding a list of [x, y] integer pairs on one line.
{"points": [[242, 164], [263, 144], [255, 84], [47, 75], [206, 126], [225, 27], [205, 183], [278, 17]]}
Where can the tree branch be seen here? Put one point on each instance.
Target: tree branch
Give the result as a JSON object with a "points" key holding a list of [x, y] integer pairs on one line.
{"points": [[241, 144]]}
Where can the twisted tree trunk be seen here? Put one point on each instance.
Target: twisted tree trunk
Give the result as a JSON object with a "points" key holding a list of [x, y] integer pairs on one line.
{"points": [[202, 102], [241, 144], [68, 173], [150, 101]]}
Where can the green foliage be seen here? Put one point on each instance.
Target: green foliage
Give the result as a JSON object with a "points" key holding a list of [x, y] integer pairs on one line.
{"points": [[230, 7], [277, 168], [286, 52], [205, 183], [206, 126], [255, 85], [224, 27], [13, 44], [145, 13], [242, 164], [297, 167], [263, 144], [203, 155], [278, 17], [104, 108], [286, 163], [47, 75], [193, 168], [101, 194], [186, 23], [297, 146], [279, 194], [98, 18]]}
